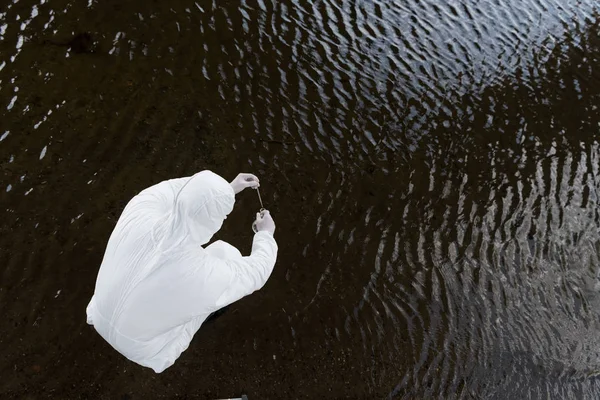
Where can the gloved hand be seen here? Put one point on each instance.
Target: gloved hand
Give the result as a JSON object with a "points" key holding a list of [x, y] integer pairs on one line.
{"points": [[243, 181], [264, 222]]}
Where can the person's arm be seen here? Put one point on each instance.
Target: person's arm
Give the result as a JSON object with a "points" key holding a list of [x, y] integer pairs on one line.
{"points": [[158, 198], [250, 274]]}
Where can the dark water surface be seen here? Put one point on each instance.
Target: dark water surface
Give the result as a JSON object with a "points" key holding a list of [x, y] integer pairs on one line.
{"points": [[433, 168]]}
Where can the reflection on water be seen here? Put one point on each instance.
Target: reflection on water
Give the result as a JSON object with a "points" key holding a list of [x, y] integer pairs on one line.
{"points": [[433, 168]]}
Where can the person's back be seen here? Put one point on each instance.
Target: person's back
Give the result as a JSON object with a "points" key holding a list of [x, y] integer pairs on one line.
{"points": [[157, 284]]}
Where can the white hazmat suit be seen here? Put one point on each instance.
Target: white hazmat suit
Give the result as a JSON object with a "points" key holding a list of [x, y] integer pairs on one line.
{"points": [[157, 285]]}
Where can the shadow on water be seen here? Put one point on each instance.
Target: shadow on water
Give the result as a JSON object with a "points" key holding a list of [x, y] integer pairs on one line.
{"points": [[436, 195]]}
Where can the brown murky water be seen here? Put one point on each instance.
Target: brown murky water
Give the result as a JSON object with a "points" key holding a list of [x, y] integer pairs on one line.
{"points": [[433, 167]]}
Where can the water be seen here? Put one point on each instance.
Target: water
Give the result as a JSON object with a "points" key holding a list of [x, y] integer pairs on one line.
{"points": [[433, 168]]}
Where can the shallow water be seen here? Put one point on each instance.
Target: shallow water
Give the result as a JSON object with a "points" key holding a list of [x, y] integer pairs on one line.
{"points": [[433, 169]]}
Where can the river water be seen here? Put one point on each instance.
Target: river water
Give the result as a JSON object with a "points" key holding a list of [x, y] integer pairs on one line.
{"points": [[433, 169]]}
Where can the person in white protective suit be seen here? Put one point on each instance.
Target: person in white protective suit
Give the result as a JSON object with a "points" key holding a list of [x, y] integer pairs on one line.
{"points": [[157, 284]]}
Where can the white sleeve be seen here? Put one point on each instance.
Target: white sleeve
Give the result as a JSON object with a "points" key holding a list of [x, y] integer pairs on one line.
{"points": [[250, 273], [155, 200], [160, 197]]}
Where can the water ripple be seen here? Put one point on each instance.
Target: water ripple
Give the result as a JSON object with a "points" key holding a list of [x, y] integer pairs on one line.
{"points": [[440, 163]]}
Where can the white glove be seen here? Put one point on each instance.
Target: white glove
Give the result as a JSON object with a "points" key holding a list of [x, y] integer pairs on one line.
{"points": [[243, 181], [264, 222]]}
